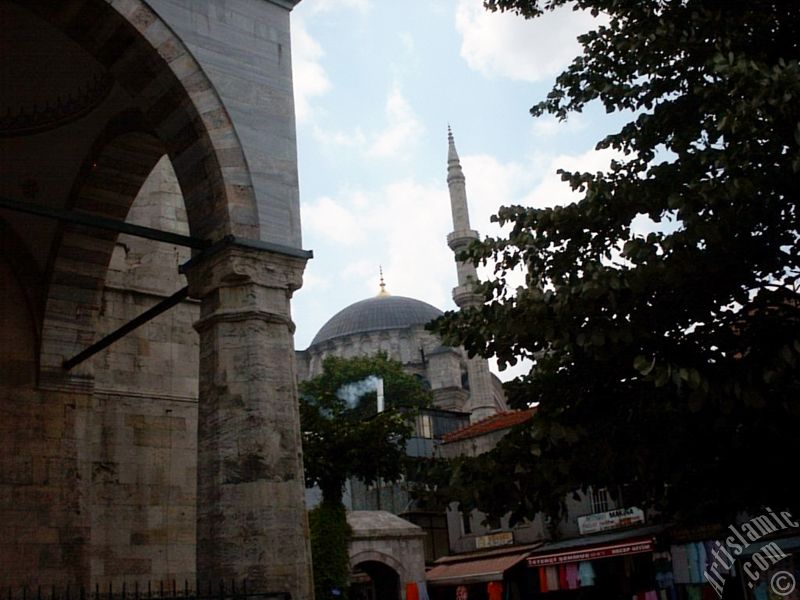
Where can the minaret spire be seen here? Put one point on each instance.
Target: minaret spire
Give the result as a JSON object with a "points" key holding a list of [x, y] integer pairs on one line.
{"points": [[462, 236], [481, 396], [457, 184]]}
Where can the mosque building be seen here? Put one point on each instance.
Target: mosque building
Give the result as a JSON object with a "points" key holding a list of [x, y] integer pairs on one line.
{"points": [[396, 325], [464, 391]]}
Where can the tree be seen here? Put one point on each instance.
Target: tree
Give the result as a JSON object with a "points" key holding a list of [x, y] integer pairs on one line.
{"points": [[665, 363], [344, 437]]}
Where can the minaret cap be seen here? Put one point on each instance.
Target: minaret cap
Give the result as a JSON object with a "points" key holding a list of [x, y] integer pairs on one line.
{"points": [[452, 154], [383, 291]]}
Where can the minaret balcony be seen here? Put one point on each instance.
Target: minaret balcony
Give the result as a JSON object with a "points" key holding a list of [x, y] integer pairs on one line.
{"points": [[460, 240], [465, 295]]}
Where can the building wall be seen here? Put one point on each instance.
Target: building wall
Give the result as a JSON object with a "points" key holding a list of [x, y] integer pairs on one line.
{"points": [[471, 446], [43, 526], [421, 352], [141, 425], [99, 486], [480, 533], [244, 47], [467, 533], [402, 345], [98, 466]]}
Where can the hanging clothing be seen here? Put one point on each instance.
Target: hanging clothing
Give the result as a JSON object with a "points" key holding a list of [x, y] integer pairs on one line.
{"points": [[552, 579], [572, 576], [412, 592], [680, 564], [494, 590], [562, 577], [693, 560], [586, 573], [543, 580], [702, 562], [422, 589]]}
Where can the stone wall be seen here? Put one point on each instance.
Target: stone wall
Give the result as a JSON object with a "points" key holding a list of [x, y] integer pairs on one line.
{"points": [[43, 529], [141, 426], [99, 486], [98, 464], [43, 525]]}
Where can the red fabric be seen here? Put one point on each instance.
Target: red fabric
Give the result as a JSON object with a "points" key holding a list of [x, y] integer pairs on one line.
{"points": [[542, 579], [495, 590], [562, 577], [412, 592]]}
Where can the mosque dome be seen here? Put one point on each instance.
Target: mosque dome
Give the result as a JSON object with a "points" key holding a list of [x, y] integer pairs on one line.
{"points": [[382, 312]]}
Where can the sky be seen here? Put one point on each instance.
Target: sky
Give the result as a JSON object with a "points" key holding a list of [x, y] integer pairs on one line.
{"points": [[376, 84]]}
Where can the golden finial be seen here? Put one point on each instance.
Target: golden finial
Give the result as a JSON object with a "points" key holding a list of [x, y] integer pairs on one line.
{"points": [[383, 291]]}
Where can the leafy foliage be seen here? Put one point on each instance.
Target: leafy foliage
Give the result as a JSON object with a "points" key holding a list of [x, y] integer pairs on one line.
{"points": [[343, 440], [330, 535], [666, 363]]}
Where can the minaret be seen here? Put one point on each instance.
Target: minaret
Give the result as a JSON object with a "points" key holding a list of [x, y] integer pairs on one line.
{"points": [[481, 400]]}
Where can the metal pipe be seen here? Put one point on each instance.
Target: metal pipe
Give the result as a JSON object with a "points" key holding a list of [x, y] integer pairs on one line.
{"points": [[89, 220], [112, 337]]}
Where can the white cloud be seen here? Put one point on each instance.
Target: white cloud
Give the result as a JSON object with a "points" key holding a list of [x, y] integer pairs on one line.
{"points": [[402, 131], [328, 218], [319, 6], [506, 45], [345, 139], [407, 40], [492, 184], [402, 226], [548, 126], [313, 281], [552, 191], [310, 78]]}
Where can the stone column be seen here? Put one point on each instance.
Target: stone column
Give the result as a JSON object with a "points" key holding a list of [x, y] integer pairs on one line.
{"points": [[251, 516]]}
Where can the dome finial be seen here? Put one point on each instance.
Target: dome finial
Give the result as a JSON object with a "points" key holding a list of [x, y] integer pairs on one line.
{"points": [[383, 291]]}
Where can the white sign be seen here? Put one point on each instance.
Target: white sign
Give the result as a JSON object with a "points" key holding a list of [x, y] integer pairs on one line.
{"points": [[502, 538], [614, 519]]}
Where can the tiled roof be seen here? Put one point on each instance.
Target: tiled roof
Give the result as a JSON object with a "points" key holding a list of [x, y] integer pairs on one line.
{"points": [[503, 420]]}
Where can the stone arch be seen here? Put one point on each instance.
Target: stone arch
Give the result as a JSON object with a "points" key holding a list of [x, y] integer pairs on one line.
{"points": [[20, 311], [110, 178], [174, 110], [365, 556], [176, 98]]}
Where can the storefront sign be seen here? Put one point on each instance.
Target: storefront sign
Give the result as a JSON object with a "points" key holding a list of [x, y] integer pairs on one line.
{"points": [[605, 551], [492, 540], [615, 519]]}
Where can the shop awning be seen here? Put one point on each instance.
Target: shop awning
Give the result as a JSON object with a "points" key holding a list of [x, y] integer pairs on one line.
{"points": [[620, 543], [477, 568]]}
